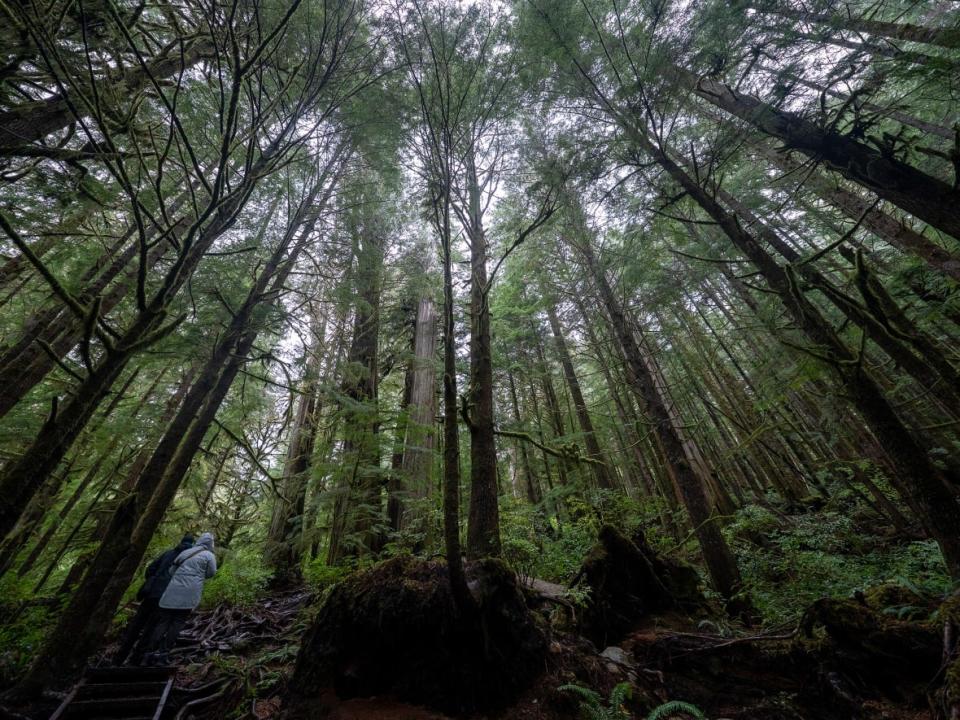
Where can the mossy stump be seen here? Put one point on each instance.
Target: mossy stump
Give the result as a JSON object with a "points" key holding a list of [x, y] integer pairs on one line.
{"points": [[394, 630], [628, 581]]}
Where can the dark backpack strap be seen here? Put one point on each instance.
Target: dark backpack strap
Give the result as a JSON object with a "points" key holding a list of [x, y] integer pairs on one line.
{"points": [[197, 548]]}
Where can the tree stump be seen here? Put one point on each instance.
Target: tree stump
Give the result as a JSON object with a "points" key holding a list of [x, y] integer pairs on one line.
{"points": [[394, 630], [628, 580]]}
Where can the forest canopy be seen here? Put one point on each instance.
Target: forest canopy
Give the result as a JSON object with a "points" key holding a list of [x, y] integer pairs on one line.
{"points": [[346, 280]]}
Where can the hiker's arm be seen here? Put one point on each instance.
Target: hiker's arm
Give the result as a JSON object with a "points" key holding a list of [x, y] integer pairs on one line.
{"points": [[153, 567]]}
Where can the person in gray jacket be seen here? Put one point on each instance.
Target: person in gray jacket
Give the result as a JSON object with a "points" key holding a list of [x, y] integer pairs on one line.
{"points": [[191, 569], [136, 637]]}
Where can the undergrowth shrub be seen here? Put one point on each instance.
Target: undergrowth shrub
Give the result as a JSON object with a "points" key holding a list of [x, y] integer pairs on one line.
{"points": [[535, 546], [319, 575], [787, 564], [23, 628], [240, 580]]}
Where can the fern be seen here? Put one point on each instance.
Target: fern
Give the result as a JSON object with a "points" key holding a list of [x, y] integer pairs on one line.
{"points": [[619, 696], [675, 707], [587, 696], [591, 705]]}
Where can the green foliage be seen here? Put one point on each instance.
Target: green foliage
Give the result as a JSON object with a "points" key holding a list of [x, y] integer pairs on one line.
{"points": [[240, 579], [825, 554], [535, 549], [676, 709], [521, 554], [321, 576], [592, 706], [20, 639]]}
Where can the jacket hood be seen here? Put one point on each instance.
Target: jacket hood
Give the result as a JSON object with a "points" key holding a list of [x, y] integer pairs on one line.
{"points": [[206, 540]]}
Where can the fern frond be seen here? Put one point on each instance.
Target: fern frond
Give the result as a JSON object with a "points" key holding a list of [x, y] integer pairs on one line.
{"points": [[676, 707], [619, 695], [590, 697]]}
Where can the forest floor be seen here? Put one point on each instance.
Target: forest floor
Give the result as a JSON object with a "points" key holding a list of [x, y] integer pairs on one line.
{"points": [[886, 653], [837, 663]]}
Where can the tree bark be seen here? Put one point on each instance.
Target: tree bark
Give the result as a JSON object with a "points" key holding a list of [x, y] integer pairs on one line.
{"points": [[601, 472], [928, 484], [483, 524], [923, 196], [357, 507], [941, 37], [283, 549], [717, 556], [419, 441]]}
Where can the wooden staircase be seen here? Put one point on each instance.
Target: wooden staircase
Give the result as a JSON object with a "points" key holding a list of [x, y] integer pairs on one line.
{"points": [[118, 693]]}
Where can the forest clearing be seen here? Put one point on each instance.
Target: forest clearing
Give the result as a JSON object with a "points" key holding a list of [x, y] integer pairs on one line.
{"points": [[435, 359]]}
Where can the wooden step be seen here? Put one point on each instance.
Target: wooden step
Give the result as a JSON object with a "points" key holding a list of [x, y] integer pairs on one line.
{"points": [[128, 673], [141, 688], [115, 707]]}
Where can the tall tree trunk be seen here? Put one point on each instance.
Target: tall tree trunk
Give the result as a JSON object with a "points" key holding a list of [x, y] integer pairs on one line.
{"points": [[357, 506], [283, 549], [451, 433], [419, 440], [942, 37], [922, 195], [483, 524], [717, 556], [601, 472], [928, 484]]}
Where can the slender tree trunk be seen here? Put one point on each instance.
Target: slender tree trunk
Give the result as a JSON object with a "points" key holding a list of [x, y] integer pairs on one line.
{"points": [[601, 472], [717, 556], [283, 549], [531, 486], [928, 484], [942, 37], [924, 196], [396, 483]]}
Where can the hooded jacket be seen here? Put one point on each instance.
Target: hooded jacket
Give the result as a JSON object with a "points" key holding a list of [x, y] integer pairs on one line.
{"points": [[158, 572], [192, 568]]}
